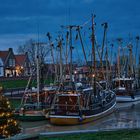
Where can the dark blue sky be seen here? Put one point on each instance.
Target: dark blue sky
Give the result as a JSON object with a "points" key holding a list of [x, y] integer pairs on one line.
{"points": [[19, 19]]}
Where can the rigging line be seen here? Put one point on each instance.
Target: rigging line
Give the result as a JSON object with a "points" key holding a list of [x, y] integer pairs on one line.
{"points": [[69, 10], [77, 52], [82, 45], [79, 56], [66, 6], [87, 46], [85, 23], [84, 40], [38, 23], [88, 49]]}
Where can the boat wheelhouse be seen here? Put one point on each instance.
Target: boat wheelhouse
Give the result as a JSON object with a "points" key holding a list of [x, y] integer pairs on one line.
{"points": [[72, 107], [126, 89]]}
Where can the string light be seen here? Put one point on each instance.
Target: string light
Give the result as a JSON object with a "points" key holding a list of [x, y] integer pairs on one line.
{"points": [[8, 125]]}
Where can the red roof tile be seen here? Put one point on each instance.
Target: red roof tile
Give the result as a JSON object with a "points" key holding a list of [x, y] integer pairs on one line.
{"points": [[20, 59], [3, 55]]}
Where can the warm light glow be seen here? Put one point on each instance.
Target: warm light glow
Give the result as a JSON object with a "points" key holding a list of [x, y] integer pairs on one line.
{"points": [[75, 72], [15, 122], [8, 114], [7, 102], [22, 109], [93, 75], [3, 114], [8, 123], [19, 69]]}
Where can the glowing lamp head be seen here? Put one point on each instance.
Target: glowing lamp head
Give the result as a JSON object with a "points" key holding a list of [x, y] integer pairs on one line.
{"points": [[75, 72]]}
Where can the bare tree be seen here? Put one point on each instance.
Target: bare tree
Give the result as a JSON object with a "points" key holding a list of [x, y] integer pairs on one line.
{"points": [[30, 48]]}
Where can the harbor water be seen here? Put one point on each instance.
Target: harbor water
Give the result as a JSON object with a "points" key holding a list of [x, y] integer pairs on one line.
{"points": [[126, 115]]}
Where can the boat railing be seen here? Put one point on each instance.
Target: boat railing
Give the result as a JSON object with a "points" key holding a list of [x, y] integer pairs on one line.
{"points": [[65, 105], [64, 112]]}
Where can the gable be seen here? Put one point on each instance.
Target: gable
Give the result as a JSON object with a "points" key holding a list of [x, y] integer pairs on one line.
{"points": [[1, 62], [10, 59], [3, 55]]}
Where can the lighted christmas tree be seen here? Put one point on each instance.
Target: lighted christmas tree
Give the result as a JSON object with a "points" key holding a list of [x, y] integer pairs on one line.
{"points": [[8, 125]]}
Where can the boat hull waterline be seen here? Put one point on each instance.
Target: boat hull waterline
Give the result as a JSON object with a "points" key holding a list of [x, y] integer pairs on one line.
{"points": [[127, 98], [73, 120], [31, 116]]}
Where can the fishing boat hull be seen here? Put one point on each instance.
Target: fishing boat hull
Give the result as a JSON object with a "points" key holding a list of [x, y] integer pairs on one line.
{"points": [[74, 120], [127, 98], [30, 116]]}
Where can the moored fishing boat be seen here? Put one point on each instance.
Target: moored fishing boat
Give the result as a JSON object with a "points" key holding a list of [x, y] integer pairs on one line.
{"points": [[126, 89], [73, 106], [126, 85], [31, 110], [28, 113], [35, 103]]}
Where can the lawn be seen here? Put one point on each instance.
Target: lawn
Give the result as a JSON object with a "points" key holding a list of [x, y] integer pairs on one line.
{"points": [[14, 103], [13, 84], [21, 83], [114, 135]]}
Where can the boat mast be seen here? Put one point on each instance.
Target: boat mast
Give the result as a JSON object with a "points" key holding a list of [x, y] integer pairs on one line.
{"points": [[119, 67], [105, 25], [112, 45], [61, 63], [67, 43], [94, 56], [38, 75], [70, 27], [137, 44], [81, 41], [70, 30], [131, 60], [52, 55]]}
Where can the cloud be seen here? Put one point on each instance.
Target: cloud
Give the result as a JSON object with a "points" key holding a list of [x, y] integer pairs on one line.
{"points": [[15, 40], [17, 18], [88, 1], [22, 17]]}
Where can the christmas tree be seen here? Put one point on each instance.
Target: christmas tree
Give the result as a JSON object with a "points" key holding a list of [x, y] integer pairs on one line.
{"points": [[8, 125]]}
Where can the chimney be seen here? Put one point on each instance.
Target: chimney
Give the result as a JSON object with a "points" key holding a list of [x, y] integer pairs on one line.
{"points": [[10, 50]]}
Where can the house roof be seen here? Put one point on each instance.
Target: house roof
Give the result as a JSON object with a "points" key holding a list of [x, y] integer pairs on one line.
{"points": [[20, 59], [3, 55]]}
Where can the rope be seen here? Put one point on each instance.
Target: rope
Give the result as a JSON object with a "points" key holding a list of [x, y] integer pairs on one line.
{"points": [[85, 23]]}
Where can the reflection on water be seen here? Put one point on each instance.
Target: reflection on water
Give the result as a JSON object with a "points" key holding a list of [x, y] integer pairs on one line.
{"points": [[127, 115]]}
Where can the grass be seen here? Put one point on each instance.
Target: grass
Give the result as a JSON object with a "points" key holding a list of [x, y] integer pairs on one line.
{"points": [[13, 83], [14, 103], [48, 81], [113, 135], [21, 83]]}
